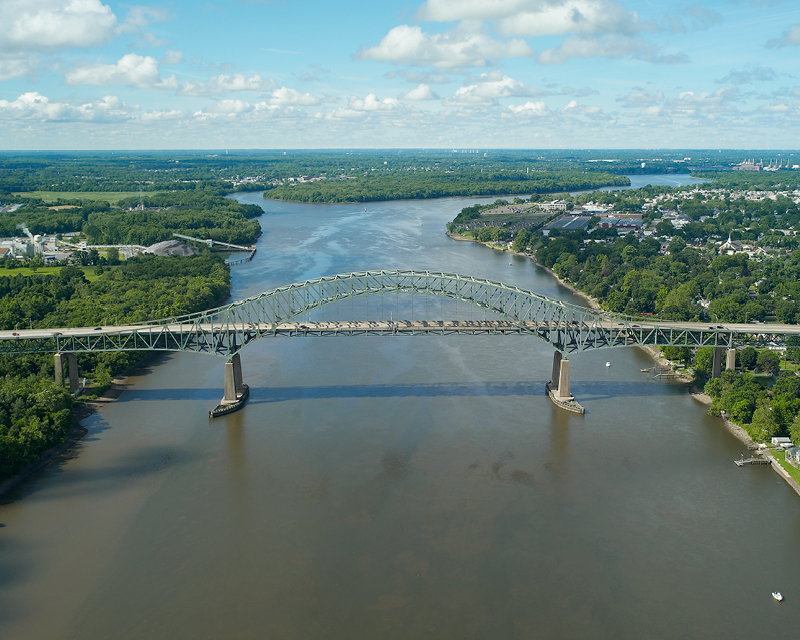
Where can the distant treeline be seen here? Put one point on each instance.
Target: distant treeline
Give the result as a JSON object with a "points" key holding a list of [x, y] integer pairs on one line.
{"points": [[381, 186]]}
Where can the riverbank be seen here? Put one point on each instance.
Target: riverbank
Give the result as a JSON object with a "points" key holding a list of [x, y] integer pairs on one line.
{"points": [[80, 411], [652, 352]]}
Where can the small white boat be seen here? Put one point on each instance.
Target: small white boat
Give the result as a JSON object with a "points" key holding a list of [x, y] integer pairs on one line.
{"points": [[777, 595], [608, 364]]}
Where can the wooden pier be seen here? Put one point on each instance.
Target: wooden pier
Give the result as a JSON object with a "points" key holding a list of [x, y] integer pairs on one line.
{"points": [[752, 461]]}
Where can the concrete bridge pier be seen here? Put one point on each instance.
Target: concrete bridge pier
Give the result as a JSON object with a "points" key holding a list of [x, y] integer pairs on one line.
{"points": [[556, 375], [72, 362], [558, 387], [716, 364], [730, 363], [236, 391]]}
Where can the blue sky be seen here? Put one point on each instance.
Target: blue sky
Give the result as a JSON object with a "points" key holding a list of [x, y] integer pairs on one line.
{"points": [[88, 74]]}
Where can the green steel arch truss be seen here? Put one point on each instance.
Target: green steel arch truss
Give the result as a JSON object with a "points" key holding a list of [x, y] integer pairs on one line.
{"points": [[224, 331]]}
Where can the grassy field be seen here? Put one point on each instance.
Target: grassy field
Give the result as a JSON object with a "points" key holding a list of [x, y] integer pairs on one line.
{"points": [[780, 456], [88, 272], [109, 196]]}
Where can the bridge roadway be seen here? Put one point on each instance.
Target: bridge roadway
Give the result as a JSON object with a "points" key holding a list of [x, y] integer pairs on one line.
{"points": [[634, 330]]}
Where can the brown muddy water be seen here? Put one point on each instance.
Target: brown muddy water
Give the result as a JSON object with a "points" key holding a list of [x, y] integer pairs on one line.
{"points": [[398, 487]]}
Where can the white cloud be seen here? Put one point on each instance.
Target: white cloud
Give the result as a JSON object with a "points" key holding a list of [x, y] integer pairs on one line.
{"points": [[491, 86], [372, 103], [777, 107], [16, 68], [709, 105], [286, 96], [35, 106], [421, 92], [790, 37], [44, 25], [229, 108], [607, 47], [462, 47], [224, 83], [639, 98], [143, 72], [537, 109], [161, 116], [539, 17], [574, 108], [131, 69], [748, 76]]}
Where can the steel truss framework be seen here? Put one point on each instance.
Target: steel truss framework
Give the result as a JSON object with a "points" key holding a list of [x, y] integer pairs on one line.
{"points": [[224, 331]]}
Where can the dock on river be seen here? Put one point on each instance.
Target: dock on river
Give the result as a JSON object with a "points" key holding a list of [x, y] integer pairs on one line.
{"points": [[752, 461]]}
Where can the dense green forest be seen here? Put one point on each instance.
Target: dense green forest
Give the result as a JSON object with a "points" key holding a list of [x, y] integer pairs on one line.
{"points": [[379, 185], [34, 413], [203, 213]]}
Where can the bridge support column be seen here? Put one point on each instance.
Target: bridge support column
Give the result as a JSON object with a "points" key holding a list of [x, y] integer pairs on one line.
{"points": [[72, 362], [236, 391], [563, 382], [716, 365], [58, 360], [554, 378], [558, 387], [730, 363]]}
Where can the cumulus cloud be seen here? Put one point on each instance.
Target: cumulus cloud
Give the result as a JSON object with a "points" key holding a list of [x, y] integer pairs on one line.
{"points": [[373, 103], [421, 92], [455, 49], [537, 109], [223, 83], [538, 17], [286, 96], [35, 106], [615, 46], [161, 116], [46, 25], [789, 38], [574, 108], [16, 67], [710, 105], [489, 87], [639, 98], [143, 72], [235, 109], [777, 107], [748, 76], [132, 70]]}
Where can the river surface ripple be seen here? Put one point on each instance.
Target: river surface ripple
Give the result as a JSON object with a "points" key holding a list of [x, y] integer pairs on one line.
{"points": [[403, 487]]}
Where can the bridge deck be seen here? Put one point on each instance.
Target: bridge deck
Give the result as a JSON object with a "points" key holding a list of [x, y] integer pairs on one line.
{"points": [[395, 327]]}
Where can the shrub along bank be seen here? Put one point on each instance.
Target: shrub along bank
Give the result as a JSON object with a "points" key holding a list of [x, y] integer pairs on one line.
{"points": [[34, 413]]}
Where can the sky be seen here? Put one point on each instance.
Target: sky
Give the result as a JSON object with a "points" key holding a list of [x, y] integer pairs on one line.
{"points": [[317, 74]]}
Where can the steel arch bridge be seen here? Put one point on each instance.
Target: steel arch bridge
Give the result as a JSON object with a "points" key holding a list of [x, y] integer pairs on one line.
{"points": [[226, 330]]}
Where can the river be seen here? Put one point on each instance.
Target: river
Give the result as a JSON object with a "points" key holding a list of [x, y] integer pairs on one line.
{"points": [[398, 487]]}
